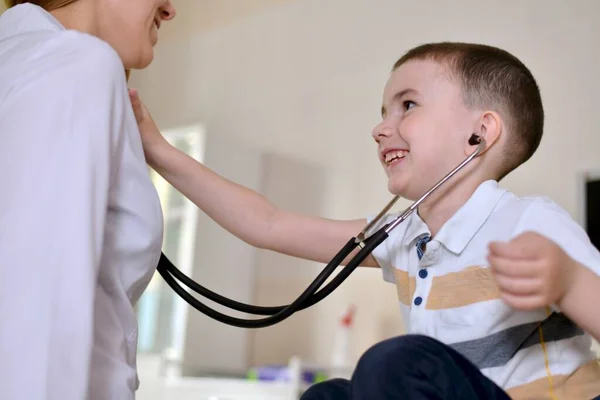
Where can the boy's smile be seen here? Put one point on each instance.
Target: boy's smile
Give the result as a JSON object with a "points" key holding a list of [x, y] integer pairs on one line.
{"points": [[392, 157]]}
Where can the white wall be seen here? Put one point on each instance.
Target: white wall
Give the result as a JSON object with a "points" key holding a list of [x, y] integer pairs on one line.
{"points": [[304, 79], [236, 270], [304, 187], [225, 265]]}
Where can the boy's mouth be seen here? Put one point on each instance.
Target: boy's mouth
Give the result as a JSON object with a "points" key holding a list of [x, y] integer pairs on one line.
{"points": [[393, 156]]}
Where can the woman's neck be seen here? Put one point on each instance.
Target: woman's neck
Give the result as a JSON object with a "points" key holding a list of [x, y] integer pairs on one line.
{"points": [[79, 16]]}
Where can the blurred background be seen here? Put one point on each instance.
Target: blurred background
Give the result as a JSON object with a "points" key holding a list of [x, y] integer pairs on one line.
{"points": [[281, 96]]}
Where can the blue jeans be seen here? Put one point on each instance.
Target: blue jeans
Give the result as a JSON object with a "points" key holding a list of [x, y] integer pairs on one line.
{"points": [[410, 367]]}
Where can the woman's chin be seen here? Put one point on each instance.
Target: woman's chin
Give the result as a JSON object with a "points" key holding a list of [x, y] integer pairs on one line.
{"points": [[141, 61]]}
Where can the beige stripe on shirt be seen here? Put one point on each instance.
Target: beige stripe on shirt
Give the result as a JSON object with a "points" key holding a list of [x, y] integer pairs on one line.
{"points": [[456, 289]]}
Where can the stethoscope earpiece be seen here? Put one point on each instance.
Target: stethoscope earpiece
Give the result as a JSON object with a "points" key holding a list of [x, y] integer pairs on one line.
{"points": [[475, 139]]}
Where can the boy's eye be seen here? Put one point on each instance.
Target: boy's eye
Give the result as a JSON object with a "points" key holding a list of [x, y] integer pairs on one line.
{"points": [[408, 104]]}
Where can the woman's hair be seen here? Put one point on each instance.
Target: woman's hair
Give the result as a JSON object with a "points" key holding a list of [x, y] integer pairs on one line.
{"points": [[47, 5]]}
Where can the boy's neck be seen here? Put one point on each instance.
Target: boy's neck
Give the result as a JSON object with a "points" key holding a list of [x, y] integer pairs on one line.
{"points": [[441, 206]]}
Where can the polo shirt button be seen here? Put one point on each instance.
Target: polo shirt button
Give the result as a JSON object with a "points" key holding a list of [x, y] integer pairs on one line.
{"points": [[423, 273], [418, 301]]}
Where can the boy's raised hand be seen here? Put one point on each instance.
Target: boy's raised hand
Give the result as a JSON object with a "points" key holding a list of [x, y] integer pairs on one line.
{"points": [[531, 271]]}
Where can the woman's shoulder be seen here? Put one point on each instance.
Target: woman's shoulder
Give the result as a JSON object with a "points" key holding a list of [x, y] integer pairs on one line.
{"points": [[67, 55], [78, 52]]}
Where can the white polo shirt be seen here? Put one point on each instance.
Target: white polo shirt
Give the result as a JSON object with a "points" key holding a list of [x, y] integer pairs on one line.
{"points": [[450, 294]]}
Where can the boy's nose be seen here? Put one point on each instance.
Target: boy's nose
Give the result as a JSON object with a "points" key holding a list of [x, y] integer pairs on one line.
{"points": [[167, 12], [381, 131]]}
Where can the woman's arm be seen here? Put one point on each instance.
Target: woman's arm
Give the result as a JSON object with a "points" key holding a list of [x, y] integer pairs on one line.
{"points": [[59, 131]]}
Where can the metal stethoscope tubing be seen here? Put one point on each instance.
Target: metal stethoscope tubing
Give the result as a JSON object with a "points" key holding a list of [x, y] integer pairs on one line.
{"points": [[312, 295]]}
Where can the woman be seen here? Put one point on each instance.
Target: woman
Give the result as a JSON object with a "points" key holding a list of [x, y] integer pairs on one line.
{"points": [[80, 221]]}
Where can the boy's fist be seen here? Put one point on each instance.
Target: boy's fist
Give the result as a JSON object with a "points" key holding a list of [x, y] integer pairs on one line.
{"points": [[531, 271]]}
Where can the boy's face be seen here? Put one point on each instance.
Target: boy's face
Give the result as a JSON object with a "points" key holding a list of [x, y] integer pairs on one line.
{"points": [[425, 128]]}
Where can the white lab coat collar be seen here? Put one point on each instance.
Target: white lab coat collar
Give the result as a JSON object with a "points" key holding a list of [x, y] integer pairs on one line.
{"points": [[26, 18]]}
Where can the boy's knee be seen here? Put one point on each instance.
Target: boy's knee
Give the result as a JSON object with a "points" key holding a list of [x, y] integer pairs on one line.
{"points": [[334, 389], [397, 354]]}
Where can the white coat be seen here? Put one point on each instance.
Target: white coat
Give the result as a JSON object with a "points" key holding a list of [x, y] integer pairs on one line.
{"points": [[80, 221]]}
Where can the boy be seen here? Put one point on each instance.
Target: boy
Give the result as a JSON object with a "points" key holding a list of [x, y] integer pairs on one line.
{"points": [[437, 97]]}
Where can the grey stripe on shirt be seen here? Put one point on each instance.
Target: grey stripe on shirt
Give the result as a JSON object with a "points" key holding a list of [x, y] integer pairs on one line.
{"points": [[497, 349]]}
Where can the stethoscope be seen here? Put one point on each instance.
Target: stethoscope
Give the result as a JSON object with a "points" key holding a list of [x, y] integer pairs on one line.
{"points": [[310, 296]]}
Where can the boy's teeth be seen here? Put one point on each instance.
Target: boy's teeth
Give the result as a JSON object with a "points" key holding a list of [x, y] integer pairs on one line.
{"points": [[392, 155]]}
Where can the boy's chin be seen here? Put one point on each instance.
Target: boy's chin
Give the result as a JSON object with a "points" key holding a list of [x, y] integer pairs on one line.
{"points": [[401, 189]]}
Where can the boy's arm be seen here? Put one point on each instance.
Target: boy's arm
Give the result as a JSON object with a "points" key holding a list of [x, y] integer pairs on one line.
{"points": [[581, 301], [250, 216], [242, 211], [533, 272]]}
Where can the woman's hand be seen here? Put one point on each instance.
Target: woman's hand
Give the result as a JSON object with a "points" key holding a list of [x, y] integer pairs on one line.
{"points": [[152, 139]]}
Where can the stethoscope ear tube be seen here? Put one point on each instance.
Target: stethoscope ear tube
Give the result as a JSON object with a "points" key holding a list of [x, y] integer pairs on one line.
{"points": [[279, 313]]}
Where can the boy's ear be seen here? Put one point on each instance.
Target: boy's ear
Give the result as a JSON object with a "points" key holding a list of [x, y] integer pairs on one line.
{"points": [[489, 127]]}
